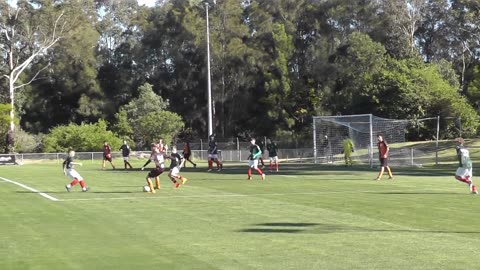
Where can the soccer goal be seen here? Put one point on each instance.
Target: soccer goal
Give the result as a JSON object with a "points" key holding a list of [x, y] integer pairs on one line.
{"points": [[329, 132]]}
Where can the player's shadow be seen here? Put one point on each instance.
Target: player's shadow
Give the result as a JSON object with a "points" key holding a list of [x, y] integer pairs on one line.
{"points": [[322, 228]]}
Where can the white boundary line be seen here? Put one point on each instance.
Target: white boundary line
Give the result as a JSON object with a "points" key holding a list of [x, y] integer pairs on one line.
{"points": [[45, 195]]}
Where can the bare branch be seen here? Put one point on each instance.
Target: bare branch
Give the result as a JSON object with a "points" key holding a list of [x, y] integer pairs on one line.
{"points": [[33, 78]]}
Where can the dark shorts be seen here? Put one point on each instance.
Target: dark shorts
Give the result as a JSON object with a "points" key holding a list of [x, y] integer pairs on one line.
{"points": [[107, 157], [384, 162], [186, 156], [155, 172]]}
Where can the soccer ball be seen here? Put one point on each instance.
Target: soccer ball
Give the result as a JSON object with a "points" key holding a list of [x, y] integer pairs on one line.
{"points": [[146, 188]]}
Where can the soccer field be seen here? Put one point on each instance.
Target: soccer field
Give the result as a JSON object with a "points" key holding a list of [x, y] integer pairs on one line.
{"points": [[304, 217]]}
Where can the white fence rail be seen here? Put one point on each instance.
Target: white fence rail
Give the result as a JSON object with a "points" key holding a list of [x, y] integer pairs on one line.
{"points": [[298, 155]]}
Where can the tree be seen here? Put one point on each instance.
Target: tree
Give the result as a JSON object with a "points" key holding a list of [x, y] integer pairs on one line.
{"points": [[140, 116], [156, 125], [27, 32]]}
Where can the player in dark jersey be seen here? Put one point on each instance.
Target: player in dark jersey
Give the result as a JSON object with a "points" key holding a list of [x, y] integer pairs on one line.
{"points": [[383, 151], [213, 154], [176, 163], [187, 153], [107, 155], [125, 154], [272, 154], [68, 170], [255, 153]]}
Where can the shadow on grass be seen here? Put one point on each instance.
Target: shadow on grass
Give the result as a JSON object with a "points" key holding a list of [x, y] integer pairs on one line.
{"points": [[318, 228]]}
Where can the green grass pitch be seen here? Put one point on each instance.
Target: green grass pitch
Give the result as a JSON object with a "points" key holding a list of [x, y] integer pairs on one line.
{"points": [[304, 217]]}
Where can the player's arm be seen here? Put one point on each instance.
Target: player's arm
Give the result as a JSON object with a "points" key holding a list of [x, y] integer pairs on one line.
{"points": [[257, 154]]}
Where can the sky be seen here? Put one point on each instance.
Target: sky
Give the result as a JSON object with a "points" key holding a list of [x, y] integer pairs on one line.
{"points": [[149, 3]]}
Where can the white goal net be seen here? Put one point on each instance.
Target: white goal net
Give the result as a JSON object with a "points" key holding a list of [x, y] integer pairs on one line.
{"points": [[329, 132]]}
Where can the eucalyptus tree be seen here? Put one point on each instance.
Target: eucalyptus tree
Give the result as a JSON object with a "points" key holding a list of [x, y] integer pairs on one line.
{"points": [[70, 89], [28, 31]]}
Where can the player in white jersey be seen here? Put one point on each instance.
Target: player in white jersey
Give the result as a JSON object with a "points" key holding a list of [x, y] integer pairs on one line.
{"points": [[464, 172], [159, 159]]}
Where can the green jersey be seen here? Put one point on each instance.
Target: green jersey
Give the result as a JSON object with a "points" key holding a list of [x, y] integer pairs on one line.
{"points": [[255, 152], [272, 149]]}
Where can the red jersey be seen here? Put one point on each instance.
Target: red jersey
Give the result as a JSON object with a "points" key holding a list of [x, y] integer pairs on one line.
{"points": [[382, 149], [106, 149]]}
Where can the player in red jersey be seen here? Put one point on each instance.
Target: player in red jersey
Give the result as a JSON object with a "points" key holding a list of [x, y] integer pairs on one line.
{"points": [[107, 155], [187, 153], [383, 150]]}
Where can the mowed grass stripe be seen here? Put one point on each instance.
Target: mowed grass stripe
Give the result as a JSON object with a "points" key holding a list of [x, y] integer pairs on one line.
{"points": [[354, 223]]}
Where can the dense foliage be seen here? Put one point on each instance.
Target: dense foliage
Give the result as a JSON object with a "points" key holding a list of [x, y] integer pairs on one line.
{"points": [[274, 65]]}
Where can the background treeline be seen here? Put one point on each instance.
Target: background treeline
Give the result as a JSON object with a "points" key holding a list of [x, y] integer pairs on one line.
{"points": [[275, 64]]}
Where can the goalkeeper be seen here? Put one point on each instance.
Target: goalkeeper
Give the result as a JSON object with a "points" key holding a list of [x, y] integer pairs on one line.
{"points": [[464, 171], [348, 150]]}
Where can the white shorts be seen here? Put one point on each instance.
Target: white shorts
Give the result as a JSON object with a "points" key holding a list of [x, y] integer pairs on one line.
{"points": [[274, 159], [125, 158], [175, 171], [72, 174], [213, 156], [253, 163], [464, 172]]}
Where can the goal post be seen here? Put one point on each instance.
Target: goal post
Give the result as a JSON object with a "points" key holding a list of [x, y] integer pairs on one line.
{"points": [[329, 132]]}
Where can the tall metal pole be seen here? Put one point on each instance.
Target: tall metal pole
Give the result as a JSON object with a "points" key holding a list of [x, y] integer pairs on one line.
{"points": [[209, 82]]}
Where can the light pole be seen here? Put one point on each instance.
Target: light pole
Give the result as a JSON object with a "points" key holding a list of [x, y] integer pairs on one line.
{"points": [[209, 81]]}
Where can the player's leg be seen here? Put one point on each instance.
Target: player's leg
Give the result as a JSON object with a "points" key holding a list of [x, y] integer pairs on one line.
{"points": [[150, 184], [103, 163], [249, 172], [111, 162], [276, 163], [382, 169], [219, 164], [72, 174], [210, 162], [173, 175], [389, 171]]}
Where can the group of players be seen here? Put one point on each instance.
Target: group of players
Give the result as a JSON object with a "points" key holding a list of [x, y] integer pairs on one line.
{"points": [[159, 154]]}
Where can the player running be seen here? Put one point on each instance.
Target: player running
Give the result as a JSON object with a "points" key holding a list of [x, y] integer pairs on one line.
{"points": [[159, 160], [176, 164], [187, 153], [272, 154], [68, 170], [107, 155], [213, 154], [464, 171], [255, 153], [160, 146]]}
